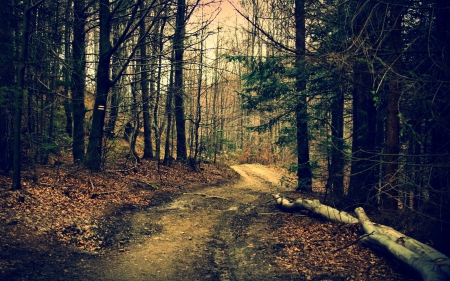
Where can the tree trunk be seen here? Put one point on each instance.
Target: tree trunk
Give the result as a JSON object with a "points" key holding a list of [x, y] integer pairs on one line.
{"points": [[103, 84], [198, 116], [50, 98], [427, 269], [304, 169], [6, 83], [337, 148], [135, 120], [169, 112], [178, 45], [428, 262], [114, 98], [390, 188], [363, 172], [67, 103], [19, 96], [316, 207], [363, 168], [157, 127], [440, 114], [148, 146], [78, 79]]}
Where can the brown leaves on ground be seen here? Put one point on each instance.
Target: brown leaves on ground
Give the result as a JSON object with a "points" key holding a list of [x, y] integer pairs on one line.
{"points": [[65, 202], [321, 250]]}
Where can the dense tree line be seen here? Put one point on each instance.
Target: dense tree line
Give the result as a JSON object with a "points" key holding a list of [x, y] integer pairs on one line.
{"points": [[77, 74], [365, 85]]}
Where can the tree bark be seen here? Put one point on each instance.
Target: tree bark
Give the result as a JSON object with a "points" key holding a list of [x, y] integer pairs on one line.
{"points": [[428, 262], [19, 96], [78, 79], [198, 115], [363, 170], [148, 146], [427, 269], [6, 83], [316, 207], [304, 169], [337, 149], [157, 127], [115, 96], [103, 84], [389, 191], [167, 150], [178, 45], [67, 104], [135, 120]]}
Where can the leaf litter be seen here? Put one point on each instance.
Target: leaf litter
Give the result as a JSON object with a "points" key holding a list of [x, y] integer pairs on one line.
{"points": [[66, 204]]}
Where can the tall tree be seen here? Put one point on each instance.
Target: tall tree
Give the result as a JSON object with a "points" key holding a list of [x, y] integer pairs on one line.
{"points": [[6, 84], [67, 54], [116, 93], [20, 93], [148, 144], [337, 143], [160, 27], [103, 84], [107, 12], [78, 79], [363, 167], [178, 46], [301, 115], [169, 113], [395, 50], [440, 111]]}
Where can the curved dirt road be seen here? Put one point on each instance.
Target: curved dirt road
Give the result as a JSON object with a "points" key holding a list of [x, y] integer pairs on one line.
{"points": [[215, 233]]}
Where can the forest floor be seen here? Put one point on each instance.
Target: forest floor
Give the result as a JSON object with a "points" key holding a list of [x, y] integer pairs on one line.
{"points": [[218, 223]]}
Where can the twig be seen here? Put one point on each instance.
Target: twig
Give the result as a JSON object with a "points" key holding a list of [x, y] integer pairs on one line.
{"points": [[354, 242], [95, 195], [145, 183], [57, 177], [92, 184]]}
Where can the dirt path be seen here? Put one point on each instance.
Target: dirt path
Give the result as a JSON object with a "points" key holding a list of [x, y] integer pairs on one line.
{"points": [[215, 233]]}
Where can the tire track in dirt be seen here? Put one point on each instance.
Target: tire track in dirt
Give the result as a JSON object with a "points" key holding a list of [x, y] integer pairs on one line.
{"points": [[215, 233]]}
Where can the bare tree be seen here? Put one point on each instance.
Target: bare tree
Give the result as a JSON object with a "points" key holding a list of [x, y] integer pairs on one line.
{"points": [[103, 83]]}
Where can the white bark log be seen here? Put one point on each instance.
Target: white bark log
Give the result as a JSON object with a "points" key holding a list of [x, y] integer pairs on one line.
{"points": [[316, 207], [439, 259], [428, 262], [427, 270]]}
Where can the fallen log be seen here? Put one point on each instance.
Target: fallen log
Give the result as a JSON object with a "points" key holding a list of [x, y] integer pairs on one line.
{"points": [[316, 207], [428, 262], [427, 270], [438, 258]]}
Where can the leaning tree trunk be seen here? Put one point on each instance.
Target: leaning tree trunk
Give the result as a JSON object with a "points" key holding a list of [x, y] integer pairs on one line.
{"points": [[428, 262]]}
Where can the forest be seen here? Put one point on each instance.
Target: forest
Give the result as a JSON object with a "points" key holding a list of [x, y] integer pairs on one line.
{"points": [[351, 97]]}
